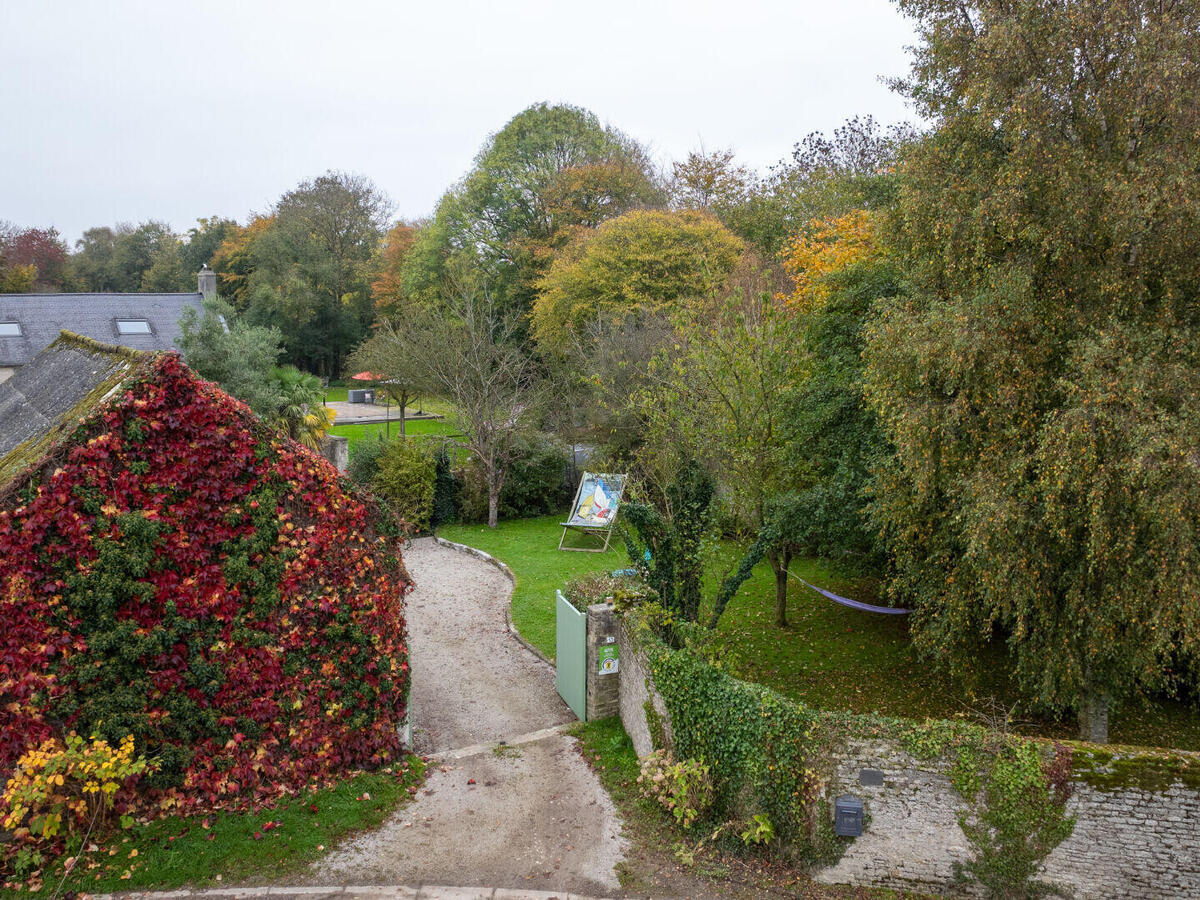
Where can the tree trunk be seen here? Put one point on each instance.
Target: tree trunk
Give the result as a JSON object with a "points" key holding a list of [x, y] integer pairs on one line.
{"points": [[493, 502], [779, 565], [403, 402], [1093, 716]]}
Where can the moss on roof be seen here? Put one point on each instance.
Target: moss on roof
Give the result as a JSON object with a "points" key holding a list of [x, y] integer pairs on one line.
{"points": [[45, 400]]}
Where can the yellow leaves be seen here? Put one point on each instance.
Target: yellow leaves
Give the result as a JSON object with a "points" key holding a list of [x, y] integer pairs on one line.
{"points": [[832, 245]]}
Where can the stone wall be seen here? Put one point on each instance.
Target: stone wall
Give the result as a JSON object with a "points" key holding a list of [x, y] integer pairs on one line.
{"points": [[637, 689], [1136, 836]]}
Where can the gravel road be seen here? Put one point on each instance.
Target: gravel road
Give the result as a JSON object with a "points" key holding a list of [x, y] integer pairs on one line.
{"points": [[530, 816]]}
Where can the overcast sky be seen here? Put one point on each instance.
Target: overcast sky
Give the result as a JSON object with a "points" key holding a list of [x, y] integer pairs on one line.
{"points": [[122, 111]]}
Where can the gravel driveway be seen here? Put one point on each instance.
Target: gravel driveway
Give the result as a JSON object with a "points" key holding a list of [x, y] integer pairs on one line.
{"points": [[530, 816]]}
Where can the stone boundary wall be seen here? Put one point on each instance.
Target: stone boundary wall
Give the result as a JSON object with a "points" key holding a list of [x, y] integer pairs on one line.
{"points": [[1134, 837]]}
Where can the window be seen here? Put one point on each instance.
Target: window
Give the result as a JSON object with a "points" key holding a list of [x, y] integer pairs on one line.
{"points": [[10, 329], [133, 326]]}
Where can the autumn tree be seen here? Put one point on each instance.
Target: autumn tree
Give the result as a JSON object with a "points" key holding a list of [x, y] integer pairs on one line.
{"points": [[840, 274], [710, 180], [234, 260], [826, 176], [641, 264], [1040, 379], [387, 290], [41, 248]]}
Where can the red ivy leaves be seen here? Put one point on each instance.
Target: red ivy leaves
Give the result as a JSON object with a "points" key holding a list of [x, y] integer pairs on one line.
{"points": [[309, 635]]}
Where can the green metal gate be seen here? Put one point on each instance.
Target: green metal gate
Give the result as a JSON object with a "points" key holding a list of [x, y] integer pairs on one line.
{"points": [[570, 652]]}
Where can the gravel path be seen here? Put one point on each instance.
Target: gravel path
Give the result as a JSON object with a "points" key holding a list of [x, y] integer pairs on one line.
{"points": [[533, 816]]}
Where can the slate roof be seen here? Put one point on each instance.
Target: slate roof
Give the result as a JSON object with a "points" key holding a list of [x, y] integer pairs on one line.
{"points": [[44, 399], [43, 316]]}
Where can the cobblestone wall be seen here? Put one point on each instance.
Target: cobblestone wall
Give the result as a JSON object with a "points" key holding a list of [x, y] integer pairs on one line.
{"points": [[1129, 840]]}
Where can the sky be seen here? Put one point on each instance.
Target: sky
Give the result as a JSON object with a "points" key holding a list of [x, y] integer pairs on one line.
{"points": [[123, 111]]}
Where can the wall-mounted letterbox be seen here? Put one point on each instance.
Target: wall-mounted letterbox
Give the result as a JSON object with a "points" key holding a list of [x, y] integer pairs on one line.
{"points": [[847, 816]]}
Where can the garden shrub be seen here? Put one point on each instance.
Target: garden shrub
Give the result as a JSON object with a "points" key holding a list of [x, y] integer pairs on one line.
{"points": [[623, 591], [364, 460], [535, 485], [445, 490], [684, 788], [177, 571], [405, 480], [70, 786]]}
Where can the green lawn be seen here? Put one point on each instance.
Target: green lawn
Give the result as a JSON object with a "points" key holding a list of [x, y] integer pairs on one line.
{"points": [[412, 427], [230, 848], [829, 656], [530, 548]]}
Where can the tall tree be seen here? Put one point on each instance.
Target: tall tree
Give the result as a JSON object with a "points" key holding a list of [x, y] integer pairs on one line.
{"points": [[1041, 380], [313, 267], [203, 240], [719, 393], [550, 170], [117, 259], [466, 353]]}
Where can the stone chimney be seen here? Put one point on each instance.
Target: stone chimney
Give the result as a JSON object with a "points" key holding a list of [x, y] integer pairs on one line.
{"points": [[206, 281]]}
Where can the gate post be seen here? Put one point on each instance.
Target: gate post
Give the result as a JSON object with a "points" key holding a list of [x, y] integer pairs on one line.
{"points": [[603, 662]]}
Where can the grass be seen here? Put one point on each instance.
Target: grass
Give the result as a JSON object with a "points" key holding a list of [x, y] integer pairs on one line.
{"points": [[828, 656], [223, 847], [530, 548], [431, 428]]}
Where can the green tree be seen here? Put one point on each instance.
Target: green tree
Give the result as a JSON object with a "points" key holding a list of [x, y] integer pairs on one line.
{"points": [[312, 268], [118, 260], [642, 264], [241, 358], [550, 170], [203, 240], [1040, 380], [719, 393]]}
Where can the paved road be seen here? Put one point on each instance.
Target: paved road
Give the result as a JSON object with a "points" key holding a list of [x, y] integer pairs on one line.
{"points": [[530, 817]]}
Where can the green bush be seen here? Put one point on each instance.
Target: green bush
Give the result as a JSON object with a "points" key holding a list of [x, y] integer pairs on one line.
{"points": [[535, 485], [445, 490], [405, 479], [364, 460]]}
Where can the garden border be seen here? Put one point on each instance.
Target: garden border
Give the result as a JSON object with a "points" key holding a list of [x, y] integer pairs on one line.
{"points": [[508, 573]]}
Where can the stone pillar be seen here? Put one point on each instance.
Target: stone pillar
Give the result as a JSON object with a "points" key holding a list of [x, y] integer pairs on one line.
{"points": [[336, 449], [603, 662]]}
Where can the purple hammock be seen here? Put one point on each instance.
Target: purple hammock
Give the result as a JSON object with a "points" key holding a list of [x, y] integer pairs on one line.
{"points": [[855, 604]]}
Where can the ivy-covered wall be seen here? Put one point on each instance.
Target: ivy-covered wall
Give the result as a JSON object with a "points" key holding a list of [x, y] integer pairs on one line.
{"points": [[175, 570], [1130, 816]]}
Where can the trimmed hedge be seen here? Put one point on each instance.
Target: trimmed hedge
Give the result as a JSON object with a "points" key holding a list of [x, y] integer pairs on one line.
{"points": [[178, 571]]}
